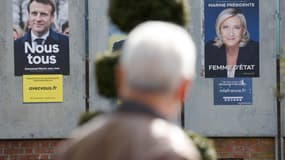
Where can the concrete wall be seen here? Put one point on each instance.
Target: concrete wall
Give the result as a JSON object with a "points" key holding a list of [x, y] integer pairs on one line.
{"points": [[282, 37], [98, 43]]}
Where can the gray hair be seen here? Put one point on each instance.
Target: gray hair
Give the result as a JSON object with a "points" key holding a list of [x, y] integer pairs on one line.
{"points": [[157, 56], [224, 15]]}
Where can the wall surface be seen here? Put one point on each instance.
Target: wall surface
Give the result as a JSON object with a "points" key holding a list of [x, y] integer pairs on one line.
{"points": [[282, 38], [28, 131], [98, 43], [227, 149], [245, 148], [28, 149]]}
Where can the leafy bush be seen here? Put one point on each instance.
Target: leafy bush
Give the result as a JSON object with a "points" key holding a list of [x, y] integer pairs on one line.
{"points": [[105, 74], [87, 116], [204, 145], [126, 14]]}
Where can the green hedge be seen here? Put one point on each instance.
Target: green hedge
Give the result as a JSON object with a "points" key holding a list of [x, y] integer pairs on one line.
{"points": [[126, 14], [105, 74]]}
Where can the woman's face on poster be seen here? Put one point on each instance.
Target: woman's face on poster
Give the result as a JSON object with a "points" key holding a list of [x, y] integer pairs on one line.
{"points": [[231, 31]]}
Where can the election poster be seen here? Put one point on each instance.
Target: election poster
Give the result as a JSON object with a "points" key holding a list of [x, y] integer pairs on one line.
{"points": [[42, 88], [41, 37], [231, 38], [233, 91]]}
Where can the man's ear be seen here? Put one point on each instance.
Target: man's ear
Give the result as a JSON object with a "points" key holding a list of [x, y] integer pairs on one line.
{"points": [[183, 88]]}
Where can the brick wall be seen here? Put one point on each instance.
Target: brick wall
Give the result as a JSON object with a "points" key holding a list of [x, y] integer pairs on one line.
{"points": [[245, 148], [227, 149], [27, 149]]}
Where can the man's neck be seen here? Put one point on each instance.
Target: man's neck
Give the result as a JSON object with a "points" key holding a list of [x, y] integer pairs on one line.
{"points": [[161, 104], [38, 35]]}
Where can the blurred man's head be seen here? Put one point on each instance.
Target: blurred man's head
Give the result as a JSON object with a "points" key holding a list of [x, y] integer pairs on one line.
{"points": [[158, 58], [41, 16]]}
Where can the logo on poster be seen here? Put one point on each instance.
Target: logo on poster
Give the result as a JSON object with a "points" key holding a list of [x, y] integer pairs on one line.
{"points": [[241, 67], [232, 4], [41, 54]]}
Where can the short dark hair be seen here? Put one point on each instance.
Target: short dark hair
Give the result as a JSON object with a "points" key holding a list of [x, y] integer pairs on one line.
{"points": [[48, 2], [64, 26]]}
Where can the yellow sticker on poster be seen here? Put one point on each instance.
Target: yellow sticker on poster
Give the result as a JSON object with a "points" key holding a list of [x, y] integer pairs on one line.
{"points": [[42, 88]]}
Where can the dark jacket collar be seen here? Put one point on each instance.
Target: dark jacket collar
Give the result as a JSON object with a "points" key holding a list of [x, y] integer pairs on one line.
{"points": [[52, 35], [137, 107]]}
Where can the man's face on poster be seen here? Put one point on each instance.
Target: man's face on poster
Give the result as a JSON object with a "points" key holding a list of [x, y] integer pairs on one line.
{"points": [[40, 18]]}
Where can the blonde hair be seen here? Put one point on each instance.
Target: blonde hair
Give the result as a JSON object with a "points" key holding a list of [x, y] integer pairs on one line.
{"points": [[226, 14]]}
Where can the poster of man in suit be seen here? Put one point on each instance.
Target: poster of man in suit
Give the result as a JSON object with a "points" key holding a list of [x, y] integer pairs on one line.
{"points": [[40, 47]]}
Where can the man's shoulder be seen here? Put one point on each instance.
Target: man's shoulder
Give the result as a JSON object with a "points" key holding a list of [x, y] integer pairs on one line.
{"points": [[156, 136], [172, 139], [91, 126], [22, 39], [161, 136], [58, 36], [124, 122]]}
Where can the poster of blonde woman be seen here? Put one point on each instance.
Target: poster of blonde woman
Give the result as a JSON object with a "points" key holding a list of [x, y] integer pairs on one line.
{"points": [[231, 38]]}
